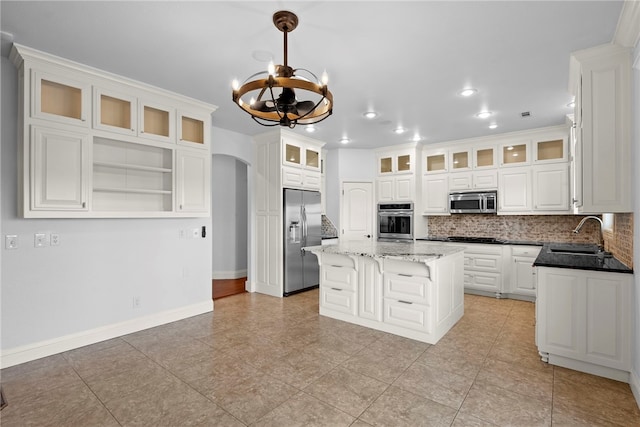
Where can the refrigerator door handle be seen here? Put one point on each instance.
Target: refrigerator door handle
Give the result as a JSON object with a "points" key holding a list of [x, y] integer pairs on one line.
{"points": [[303, 216]]}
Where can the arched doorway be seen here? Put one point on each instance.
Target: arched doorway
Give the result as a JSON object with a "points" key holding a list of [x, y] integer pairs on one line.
{"points": [[229, 217]]}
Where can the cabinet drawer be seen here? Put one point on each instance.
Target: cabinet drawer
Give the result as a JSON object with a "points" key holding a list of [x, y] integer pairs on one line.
{"points": [[407, 288], [407, 315], [492, 263], [482, 281], [529, 251], [338, 300], [338, 277]]}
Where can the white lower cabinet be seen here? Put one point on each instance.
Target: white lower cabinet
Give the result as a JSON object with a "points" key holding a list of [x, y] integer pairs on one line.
{"points": [[416, 300], [522, 280], [338, 284], [483, 268], [583, 320]]}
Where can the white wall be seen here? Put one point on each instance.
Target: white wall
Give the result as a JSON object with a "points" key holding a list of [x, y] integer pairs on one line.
{"points": [[89, 281], [342, 165], [229, 217]]}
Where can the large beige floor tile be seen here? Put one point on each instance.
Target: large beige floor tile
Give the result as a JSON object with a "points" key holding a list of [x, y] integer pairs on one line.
{"points": [[537, 383], [435, 384], [346, 390], [505, 408], [399, 408], [304, 410]]}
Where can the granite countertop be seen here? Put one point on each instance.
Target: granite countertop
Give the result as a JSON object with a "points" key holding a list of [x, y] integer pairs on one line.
{"points": [[410, 251], [606, 263]]}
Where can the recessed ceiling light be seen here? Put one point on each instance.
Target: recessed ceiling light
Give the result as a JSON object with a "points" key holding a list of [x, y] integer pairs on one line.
{"points": [[344, 140], [310, 128], [416, 138], [399, 130], [572, 104], [493, 126], [484, 114], [370, 115], [467, 92]]}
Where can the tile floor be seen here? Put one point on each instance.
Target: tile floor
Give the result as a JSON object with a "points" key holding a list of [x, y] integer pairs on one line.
{"points": [[265, 361]]}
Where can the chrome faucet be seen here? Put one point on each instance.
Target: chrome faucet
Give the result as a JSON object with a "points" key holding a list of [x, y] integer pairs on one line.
{"points": [[577, 229]]}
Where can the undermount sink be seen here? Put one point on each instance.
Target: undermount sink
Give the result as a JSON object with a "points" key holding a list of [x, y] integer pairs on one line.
{"points": [[575, 249]]}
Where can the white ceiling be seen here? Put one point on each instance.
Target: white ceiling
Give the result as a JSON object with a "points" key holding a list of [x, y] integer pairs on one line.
{"points": [[406, 60]]}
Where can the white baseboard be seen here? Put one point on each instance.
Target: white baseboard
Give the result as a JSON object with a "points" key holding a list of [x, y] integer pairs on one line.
{"points": [[26, 353], [232, 274], [634, 382]]}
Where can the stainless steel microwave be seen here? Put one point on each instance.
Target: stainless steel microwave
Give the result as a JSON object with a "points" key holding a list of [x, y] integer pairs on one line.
{"points": [[484, 202]]}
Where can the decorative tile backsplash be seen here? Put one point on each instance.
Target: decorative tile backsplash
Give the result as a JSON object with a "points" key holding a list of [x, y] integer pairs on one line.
{"points": [[538, 228], [328, 229]]}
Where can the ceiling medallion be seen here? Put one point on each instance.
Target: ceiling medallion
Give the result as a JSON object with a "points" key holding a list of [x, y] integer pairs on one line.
{"points": [[276, 92]]}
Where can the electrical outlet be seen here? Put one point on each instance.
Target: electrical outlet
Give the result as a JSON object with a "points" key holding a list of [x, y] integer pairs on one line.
{"points": [[181, 234], [39, 240], [11, 241], [55, 239], [136, 302]]}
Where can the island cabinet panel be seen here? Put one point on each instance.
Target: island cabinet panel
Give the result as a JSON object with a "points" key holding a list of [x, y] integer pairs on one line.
{"points": [[415, 296], [369, 289]]}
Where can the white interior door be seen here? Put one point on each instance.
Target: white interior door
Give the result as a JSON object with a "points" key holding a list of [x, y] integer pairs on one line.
{"points": [[356, 216]]}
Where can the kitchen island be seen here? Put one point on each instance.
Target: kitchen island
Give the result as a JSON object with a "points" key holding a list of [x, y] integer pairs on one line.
{"points": [[412, 289]]}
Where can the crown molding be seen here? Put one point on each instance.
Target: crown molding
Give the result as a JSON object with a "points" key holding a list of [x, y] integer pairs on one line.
{"points": [[628, 30]]}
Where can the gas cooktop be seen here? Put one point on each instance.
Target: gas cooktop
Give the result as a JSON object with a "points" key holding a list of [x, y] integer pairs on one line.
{"points": [[467, 239]]}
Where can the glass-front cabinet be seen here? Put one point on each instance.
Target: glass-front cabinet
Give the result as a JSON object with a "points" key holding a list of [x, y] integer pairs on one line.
{"points": [[115, 112], [193, 129], [515, 154], [554, 150], [484, 157], [396, 162], [435, 161], [460, 160], [61, 99], [156, 122], [300, 153]]}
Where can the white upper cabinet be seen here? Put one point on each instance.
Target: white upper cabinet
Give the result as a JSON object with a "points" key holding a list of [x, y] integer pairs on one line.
{"points": [[396, 162], [194, 129], [514, 191], [516, 153], [301, 153], [60, 164], [95, 145], [435, 161], [59, 98], [115, 112], [485, 157], [551, 187], [460, 160], [551, 151], [157, 121], [600, 79]]}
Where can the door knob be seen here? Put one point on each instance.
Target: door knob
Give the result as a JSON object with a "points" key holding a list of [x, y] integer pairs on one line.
{"points": [[368, 236]]}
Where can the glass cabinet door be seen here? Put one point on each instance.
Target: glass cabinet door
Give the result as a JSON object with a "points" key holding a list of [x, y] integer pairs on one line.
{"points": [[436, 162], [514, 154], [403, 163], [385, 165], [312, 159], [485, 157], [157, 122], [114, 112], [193, 129], [292, 154], [460, 160], [60, 99], [553, 150]]}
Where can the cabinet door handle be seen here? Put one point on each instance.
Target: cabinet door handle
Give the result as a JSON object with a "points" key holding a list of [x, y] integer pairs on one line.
{"points": [[84, 205], [405, 302], [337, 289], [405, 275], [336, 266]]}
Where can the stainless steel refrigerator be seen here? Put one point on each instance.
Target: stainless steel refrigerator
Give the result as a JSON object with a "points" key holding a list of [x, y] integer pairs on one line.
{"points": [[302, 227]]}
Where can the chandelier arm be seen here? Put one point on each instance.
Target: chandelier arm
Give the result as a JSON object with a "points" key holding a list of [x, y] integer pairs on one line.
{"points": [[275, 103]]}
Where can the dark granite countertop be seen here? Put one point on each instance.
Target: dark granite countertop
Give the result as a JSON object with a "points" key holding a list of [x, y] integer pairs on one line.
{"points": [[606, 263], [328, 237]]}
